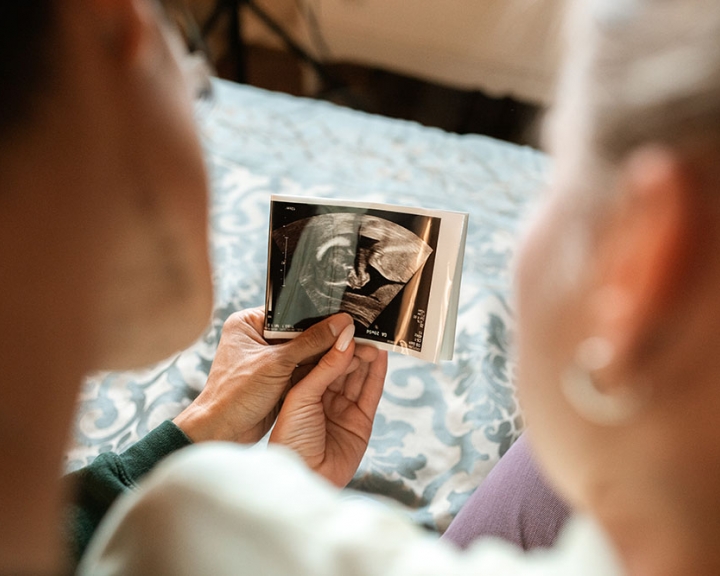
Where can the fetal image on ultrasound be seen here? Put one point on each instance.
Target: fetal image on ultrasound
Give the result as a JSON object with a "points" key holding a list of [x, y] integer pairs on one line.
{"points": [[357, 262]]}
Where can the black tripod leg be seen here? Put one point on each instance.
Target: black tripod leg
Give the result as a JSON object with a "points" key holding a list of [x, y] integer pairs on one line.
{"points": [[236, 44], [211, 22], [295, 48]]}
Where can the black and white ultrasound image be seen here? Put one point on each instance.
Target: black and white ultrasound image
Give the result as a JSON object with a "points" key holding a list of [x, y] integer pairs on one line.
{"points": [[375, 265]]}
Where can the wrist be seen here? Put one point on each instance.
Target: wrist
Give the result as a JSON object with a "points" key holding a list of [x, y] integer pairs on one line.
{"points": [[193, 423], [203, 425]]}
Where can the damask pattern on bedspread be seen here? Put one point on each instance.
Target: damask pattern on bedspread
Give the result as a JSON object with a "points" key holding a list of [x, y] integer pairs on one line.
{"points": [[439, 429]]}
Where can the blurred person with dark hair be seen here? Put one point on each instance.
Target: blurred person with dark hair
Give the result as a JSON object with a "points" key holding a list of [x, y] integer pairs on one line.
{"points": [[104, 264]]}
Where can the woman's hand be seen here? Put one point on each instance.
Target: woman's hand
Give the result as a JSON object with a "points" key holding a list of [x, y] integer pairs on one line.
{"points": [[249, 377], [327, 417]]}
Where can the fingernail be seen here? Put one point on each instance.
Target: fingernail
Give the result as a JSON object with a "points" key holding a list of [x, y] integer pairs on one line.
{"points": [[345, 337], [337, 323]]}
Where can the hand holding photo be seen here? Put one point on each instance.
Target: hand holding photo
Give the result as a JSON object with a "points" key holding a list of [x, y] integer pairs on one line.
{"points": [[395, 270]]}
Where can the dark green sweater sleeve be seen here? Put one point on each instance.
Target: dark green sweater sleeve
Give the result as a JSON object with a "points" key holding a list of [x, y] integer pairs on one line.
{"points": [[98, 485]]}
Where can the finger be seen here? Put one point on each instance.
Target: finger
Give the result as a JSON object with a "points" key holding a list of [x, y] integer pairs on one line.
{"points": [[315, 340], [373, 386], [300, 372], [304, 369], [366, 352], [355, 382], [338, 384], [363, 352], [331, 366], [252, 318], [354, 365]]}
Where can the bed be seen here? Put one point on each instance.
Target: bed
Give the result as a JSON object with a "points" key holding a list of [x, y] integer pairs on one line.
{"points": [[439, 428], [502, 47]]}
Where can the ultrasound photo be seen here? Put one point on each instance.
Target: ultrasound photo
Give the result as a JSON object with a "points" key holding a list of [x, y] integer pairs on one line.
{"points": [[376, 265]]}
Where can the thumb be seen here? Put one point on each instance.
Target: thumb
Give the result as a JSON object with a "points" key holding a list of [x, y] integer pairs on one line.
{"points": [[331, 366], [316, 340]]}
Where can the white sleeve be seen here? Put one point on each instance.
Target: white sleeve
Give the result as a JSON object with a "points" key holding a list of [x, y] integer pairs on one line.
{"points": [[220, 509]]}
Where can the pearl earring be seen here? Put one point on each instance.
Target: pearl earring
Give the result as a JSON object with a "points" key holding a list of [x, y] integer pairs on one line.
{"points": [[581, 391]]}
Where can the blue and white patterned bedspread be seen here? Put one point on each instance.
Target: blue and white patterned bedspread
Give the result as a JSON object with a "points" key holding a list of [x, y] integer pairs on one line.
{"points": [[439, 429]]}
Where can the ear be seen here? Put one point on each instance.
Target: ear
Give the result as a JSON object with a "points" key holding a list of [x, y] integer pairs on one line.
{"points": [[124, 24], [643, 256]]}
